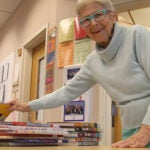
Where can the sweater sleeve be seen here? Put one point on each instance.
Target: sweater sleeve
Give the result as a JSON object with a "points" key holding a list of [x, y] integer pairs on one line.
{"points": [[143, 54], [74, 88]]}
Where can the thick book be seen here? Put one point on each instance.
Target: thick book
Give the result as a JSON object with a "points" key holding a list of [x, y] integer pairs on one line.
{"points": [[3, 111]]}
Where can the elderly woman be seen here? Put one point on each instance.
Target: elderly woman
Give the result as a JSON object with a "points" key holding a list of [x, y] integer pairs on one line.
{"points": [[120, 63]]}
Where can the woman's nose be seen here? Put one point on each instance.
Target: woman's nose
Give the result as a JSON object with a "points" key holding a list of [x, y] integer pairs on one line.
{"points": [[93, 22]]}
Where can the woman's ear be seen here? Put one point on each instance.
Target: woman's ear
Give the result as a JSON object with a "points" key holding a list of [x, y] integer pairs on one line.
{"points": [[117, 17], [114, 16]]}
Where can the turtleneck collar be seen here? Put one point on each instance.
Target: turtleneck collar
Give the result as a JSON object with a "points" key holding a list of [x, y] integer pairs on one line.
{"points": [[110, 51]]}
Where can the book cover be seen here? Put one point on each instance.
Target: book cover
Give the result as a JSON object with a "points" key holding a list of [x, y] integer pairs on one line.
{"points": [[3, 111]]}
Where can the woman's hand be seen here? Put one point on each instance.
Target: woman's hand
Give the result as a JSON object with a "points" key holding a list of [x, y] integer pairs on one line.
{"points": [[18, 106], [139, 139]]}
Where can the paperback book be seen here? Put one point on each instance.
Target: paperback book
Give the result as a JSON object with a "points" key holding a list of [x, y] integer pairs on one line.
{"points": [[3, 111]]}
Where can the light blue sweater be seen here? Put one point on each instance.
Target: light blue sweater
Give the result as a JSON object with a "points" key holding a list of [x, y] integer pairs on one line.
{"points": [[122, 69]]}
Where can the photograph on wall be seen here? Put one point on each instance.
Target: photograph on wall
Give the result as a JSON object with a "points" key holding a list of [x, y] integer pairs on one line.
{"points": [[74, 111], [72, 72], [69, 72]]}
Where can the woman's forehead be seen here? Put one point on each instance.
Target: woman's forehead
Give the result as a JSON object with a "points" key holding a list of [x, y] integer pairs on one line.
{"points": [[90, 8]]}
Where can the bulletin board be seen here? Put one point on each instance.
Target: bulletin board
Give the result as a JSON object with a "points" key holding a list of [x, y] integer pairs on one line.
{"points": [[74, 45], [79, 108]]}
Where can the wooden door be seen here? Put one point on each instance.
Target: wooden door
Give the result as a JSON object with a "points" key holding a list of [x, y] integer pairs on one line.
{"points": [[117, 126], [37, 76]]}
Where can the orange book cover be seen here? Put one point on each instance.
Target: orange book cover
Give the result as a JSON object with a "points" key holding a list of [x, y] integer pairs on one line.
{"points": [[3, 111]]}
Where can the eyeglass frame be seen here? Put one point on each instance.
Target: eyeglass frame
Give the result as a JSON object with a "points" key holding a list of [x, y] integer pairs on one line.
{"points": [[90, 17]]}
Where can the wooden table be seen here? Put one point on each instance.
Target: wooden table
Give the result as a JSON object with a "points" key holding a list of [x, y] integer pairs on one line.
{"points": [[66, 148]]}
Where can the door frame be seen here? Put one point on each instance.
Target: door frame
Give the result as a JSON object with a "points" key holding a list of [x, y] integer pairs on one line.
{"points": [[25, 70]]}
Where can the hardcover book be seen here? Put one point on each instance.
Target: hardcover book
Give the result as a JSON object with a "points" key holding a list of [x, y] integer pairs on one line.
{"points": [[3, 111]]}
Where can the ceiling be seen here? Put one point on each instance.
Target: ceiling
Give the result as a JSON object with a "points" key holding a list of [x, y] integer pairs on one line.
{"points": [[8, 7], [124, 5]]}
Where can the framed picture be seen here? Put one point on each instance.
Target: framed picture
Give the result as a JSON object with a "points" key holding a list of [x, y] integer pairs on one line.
{"points": [[74, 111], [69, 72]]}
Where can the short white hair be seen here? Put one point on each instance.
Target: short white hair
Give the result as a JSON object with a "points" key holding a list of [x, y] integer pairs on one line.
{"points": [[107, 4]]}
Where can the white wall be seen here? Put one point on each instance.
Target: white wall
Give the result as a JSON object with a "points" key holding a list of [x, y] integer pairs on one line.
{"points": [[31, 16], [140, 16], [28, 18]]}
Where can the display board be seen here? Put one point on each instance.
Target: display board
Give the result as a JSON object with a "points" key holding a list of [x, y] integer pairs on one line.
{"points": [[79, 108]]}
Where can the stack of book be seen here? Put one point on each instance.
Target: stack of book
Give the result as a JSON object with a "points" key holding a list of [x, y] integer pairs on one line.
{"points": [[81, 133], [53, 133]]}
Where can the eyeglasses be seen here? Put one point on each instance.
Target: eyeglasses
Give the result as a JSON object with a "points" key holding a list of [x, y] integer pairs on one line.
{"points": [[97, 16]]}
